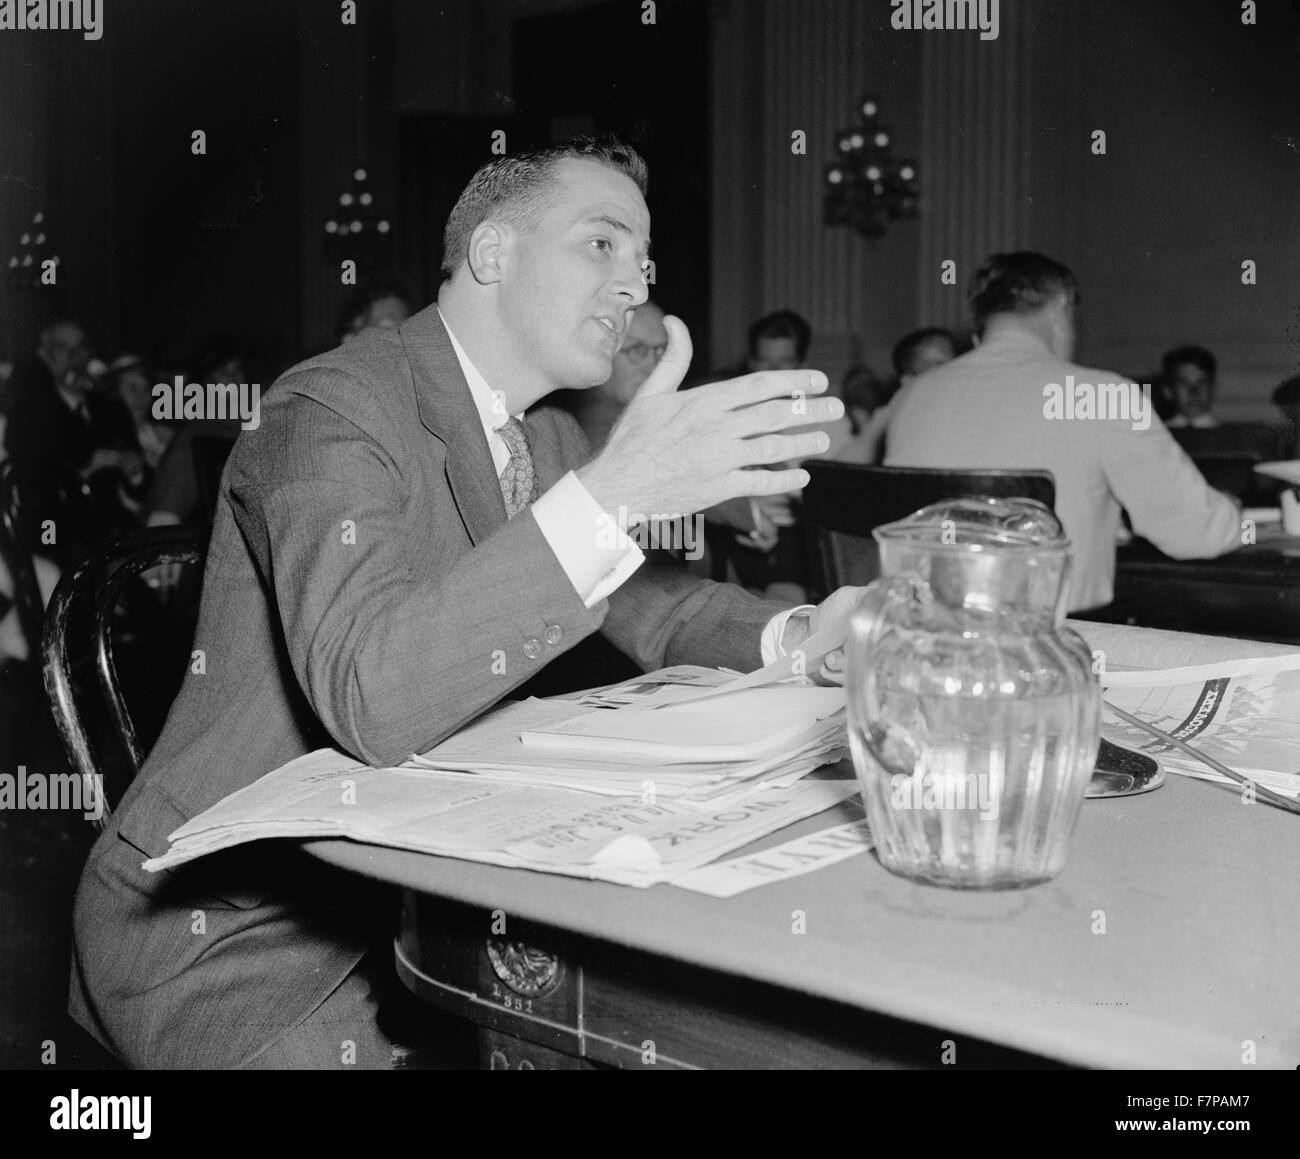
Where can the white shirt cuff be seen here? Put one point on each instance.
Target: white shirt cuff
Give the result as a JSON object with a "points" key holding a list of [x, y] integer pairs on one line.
{"points": [[771, 642], [594, 552]]}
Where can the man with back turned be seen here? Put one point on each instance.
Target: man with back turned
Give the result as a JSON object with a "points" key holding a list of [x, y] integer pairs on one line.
{"points": [[1018, 401]]}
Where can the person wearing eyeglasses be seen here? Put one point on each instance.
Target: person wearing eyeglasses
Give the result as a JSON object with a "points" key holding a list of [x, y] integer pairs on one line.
{"points": [[643, 345]]}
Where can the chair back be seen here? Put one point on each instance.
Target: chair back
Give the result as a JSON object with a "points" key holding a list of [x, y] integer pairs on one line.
{"points": [[844, 502], [88, 595], [17, 558]]}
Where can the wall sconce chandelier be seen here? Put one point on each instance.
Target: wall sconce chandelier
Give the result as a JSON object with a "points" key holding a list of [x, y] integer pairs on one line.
{"points": [[34, 248], [866, 186], [355, 227]]}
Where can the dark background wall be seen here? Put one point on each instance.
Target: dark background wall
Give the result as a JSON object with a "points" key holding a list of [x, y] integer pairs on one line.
{"points": [[163, 250]]}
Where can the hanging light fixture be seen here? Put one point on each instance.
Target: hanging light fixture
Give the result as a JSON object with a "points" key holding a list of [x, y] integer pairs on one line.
{"points": [[23, 266], [867, 188], [355, 226]]}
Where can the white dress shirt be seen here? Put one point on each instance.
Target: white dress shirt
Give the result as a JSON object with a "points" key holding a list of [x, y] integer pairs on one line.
{"points": [[573, 524]]}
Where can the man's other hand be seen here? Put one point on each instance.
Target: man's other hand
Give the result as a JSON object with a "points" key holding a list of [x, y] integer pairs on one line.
{"points": [[837, 608]]}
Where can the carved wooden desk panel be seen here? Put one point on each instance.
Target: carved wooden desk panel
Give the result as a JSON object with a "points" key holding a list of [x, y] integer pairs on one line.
{"points": [[546, 1000]]}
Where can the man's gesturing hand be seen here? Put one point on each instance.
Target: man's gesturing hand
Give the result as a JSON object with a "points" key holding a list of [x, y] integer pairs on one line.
{"points": [[675, 454]]}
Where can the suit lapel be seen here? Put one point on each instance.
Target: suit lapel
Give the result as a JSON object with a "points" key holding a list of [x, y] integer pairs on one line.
{"points": [[447, 412]]}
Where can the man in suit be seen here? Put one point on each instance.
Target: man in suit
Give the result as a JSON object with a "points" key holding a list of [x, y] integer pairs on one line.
{"points": [[389, 532], [1017, 400], [61, 432]]}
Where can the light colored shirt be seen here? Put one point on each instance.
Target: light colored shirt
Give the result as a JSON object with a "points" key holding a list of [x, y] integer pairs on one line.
{"points": [[573, 524], [989, 408]]}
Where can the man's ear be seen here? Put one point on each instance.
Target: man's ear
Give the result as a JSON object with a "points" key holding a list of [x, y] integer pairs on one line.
{"points": [[488, 249], [1063, 305]]}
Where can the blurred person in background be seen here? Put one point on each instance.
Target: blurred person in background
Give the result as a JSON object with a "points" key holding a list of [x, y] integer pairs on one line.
{"points": [[131, 381], [859, 437], [757, 541], [919, 351], [598, 409], [73, 448], [993, 408], [856, 438], [184, 486], [1188, 379], [381, 304], [778, 341]]}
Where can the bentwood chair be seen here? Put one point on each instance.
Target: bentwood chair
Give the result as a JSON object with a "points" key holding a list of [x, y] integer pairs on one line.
{"points": [[844, 502], [85, 604], [17, 558]]}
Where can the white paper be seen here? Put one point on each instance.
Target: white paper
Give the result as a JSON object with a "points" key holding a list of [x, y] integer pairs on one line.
{"points": [[780, 863], [1244, 714]]}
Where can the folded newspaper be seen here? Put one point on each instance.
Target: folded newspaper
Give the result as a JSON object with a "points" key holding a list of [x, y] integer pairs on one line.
{"points": [[1243, 713], [485, 795], [1237, 701]]}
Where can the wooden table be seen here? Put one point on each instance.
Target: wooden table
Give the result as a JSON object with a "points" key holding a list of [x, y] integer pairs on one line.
{"points": [[1253, 592], [1169, 940]]}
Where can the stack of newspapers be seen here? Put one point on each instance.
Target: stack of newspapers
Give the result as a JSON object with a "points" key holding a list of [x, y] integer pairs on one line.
{"points": [[639, 783]]}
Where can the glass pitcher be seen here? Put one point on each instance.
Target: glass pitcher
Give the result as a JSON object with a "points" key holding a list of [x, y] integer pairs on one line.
{"points": [[974, 714]]}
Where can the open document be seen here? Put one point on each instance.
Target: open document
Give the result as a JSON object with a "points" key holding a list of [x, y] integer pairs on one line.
{"points": [[667, 806]]}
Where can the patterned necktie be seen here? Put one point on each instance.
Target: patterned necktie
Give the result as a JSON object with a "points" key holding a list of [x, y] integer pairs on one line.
{"points": [[519, 479]]}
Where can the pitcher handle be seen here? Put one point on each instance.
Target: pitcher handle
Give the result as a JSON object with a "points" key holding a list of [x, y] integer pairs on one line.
{"points": [[864, 632], [865, 625]]}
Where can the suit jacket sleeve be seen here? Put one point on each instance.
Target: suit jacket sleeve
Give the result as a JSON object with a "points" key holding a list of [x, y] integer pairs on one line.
{"points": [[662, 616], [1167, 498]]}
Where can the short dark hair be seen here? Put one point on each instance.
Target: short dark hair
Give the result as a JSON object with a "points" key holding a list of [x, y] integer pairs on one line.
{"points": [[513, 188], [1197, 355], [781, 324], [905, 349], [1018, 283]]}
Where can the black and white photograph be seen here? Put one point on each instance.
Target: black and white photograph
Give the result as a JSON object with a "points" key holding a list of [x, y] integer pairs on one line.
{"points": [[650, 535]]}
